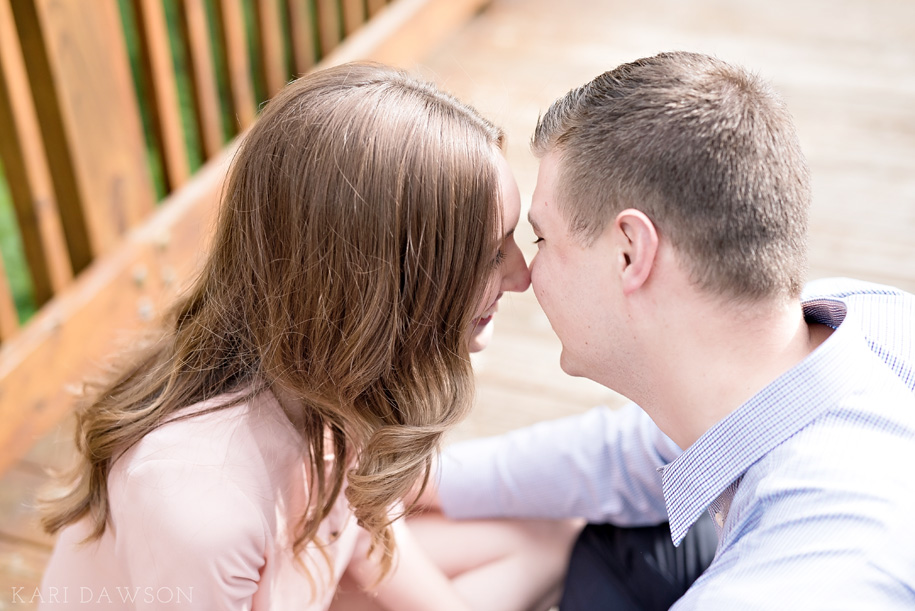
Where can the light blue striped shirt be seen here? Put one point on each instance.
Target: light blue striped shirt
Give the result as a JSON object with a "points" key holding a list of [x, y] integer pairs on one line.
{"points": [[809, 482]]}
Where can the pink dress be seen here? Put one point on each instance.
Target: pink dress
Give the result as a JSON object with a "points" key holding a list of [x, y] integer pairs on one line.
{"points": [[204, 511]]}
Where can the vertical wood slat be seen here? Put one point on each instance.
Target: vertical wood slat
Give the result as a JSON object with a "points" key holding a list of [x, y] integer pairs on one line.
{"points": [[196, 36], [78, 70], [53, 131], [375, 6], [159, 75], [301, 36], [231, 30], [9, 321], [271, 37], [328, 25], [353, 16], [27, 171]]}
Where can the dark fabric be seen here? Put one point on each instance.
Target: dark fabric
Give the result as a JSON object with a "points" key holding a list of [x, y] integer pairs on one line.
{"points": [[635, 569]]}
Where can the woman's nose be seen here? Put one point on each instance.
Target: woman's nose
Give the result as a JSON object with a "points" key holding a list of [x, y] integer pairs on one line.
{"points": [[517, 276]]}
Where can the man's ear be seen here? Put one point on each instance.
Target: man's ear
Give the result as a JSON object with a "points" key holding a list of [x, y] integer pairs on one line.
{"points": [[637, 246]]}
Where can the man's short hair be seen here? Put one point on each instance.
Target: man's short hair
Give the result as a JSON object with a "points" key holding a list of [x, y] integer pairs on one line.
{"points": [[706, 149]]}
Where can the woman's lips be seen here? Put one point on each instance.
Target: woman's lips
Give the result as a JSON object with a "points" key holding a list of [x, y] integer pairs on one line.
{"points": [[488, 313], [482, 322]]}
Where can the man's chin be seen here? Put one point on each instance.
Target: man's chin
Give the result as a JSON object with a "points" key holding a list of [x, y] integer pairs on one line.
{"points": [[570, 366]]}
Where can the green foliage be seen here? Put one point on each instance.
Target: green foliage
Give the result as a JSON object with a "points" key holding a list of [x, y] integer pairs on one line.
{"points": [[129, 24], [13, 254]]}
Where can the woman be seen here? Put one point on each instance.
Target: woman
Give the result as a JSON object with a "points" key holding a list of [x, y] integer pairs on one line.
{"points": [[304, 382]]}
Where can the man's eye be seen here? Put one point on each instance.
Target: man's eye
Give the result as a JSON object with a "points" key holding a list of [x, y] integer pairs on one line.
{"points": [[538, 240]]}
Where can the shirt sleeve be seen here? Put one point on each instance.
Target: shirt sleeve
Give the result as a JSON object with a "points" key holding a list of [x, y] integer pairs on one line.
{"points": [[190, 530], [600, 465]]}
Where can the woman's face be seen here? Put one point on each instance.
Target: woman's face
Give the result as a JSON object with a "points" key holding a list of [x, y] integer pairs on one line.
{"points": [[510, 271]]}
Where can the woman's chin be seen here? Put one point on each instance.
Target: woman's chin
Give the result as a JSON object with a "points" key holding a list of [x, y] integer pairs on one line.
{"points": [[481, 335]]}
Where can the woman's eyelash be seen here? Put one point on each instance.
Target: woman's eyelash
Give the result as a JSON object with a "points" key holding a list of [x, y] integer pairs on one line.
{"points": [[538, 240], [500, 256]]}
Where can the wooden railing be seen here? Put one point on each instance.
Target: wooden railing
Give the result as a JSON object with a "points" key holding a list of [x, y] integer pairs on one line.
{"points": [[85, 176]]}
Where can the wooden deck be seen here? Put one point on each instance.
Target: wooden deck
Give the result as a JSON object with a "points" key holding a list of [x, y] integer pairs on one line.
{"points": [[846, 68]]}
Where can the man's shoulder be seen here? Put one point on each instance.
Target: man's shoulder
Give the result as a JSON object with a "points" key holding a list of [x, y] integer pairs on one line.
{"points": [[843, 288], [847, 471], [852, 447], [828, 509], [863, 426]]}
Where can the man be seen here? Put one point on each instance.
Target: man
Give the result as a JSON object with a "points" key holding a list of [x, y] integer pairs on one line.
{"points": [[671, 217]]}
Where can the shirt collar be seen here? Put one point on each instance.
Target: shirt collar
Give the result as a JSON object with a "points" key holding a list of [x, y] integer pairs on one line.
{"points": [[699, 475]]}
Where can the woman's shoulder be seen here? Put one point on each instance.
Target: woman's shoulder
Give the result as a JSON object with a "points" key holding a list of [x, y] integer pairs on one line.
{"points": [[246, 439]]}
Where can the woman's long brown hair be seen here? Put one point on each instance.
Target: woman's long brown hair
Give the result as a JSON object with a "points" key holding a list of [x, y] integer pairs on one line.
{"points": [[354, 243]]}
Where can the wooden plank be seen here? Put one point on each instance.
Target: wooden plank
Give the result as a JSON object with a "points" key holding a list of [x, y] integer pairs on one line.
{"points": [[9, 320], [159, 74], [80, 79], [328, 15], [26, 170], [271, 36], [231, 28], [407, 28], [19, 491], [55, 450], [353, 16], [301, 34], [64, 342], [21, 568], [24, 546], [374, 6], [196, 36]]}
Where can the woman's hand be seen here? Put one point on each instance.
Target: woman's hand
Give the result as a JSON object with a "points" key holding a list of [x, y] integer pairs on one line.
{"points": [[414, 584]]}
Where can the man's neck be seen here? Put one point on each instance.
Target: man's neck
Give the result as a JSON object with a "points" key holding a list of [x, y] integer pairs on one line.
{"points": [[715, 358]]}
